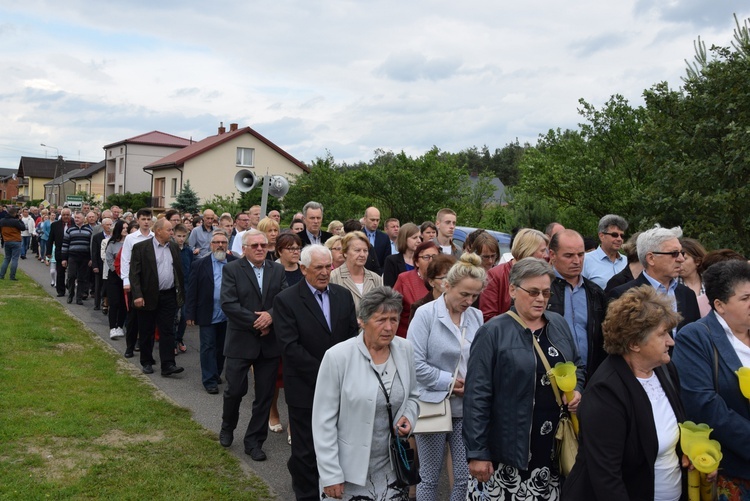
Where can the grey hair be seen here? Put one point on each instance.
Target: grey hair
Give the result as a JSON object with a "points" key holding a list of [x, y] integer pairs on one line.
{"points": [[721, 280], [530, 267], [305, 257], [652, 240], [469, 266], [221, 232], [612, 220], [106, 220], [380, 299], [250, 233], [311, 205]]}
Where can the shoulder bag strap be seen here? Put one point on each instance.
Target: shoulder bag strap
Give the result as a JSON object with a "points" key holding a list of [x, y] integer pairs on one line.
{"points": [[538, 349], [460, 352], [387, 402]]}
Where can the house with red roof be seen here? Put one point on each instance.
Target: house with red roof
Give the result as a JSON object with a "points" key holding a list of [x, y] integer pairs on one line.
{"points": [[212, 164], [125, 160]]}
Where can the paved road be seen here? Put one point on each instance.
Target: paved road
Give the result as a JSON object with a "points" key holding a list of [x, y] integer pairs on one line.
{"points": [[187, 390]]}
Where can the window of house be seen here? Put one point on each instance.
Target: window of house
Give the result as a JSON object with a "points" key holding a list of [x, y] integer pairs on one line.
{"points": [[245, 157], [120, 160], [174, 186]]}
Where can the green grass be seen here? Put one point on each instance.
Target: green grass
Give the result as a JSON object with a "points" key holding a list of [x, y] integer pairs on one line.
{"points": [[78, 422]]}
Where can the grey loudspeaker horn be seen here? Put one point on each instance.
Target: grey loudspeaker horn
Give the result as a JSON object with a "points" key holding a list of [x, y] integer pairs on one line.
{"points": [[245, 180], [278, 187]]}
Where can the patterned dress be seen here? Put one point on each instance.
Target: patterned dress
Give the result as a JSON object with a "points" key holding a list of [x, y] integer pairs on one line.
{"points": [[542, 479]]}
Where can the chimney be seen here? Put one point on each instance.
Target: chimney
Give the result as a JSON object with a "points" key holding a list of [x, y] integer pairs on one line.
{"points": [[232, 127], [222, 129]]}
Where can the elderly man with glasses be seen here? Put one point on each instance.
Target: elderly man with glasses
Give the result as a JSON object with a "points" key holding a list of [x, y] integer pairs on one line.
{"points": [[204, 308], [660, 252], [606, 261]]}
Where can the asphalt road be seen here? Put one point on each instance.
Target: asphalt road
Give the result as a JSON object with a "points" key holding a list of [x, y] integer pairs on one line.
{"points": [[187, 391]]}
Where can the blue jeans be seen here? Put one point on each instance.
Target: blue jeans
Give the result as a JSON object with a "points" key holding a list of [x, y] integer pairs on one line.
{"points": [[12, 252], [26, 241], [212, 353]]}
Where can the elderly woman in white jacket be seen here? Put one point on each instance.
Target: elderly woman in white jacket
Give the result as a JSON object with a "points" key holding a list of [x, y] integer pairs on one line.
{"points": [[441, 333], [351, 428]]}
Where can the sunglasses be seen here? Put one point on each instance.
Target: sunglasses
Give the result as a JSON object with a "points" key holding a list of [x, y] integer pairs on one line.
{"points": [[614, 234], [535, 292], [674, 254], [256, 246]]}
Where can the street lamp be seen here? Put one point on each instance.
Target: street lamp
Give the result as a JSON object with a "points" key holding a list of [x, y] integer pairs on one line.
{"points": [[57, 164]]}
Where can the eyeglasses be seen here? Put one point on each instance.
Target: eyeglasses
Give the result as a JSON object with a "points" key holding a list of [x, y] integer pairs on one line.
{"points": [[256, 246], [489, 257], [614, 234], [674, 254], [219, 242], [535, 292], [427, 257], [337, 249], [292, 249]]}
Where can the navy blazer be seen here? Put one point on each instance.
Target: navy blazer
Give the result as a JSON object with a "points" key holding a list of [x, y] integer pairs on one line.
{"points": [[382, 247], [199, 304], [394, 266], [304, 336], [727, 411], [687, 304], [240, 299]]}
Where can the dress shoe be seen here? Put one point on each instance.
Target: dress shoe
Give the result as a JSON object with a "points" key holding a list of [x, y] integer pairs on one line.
{"points": [[226, 437], [79, 302], [23, 257], [128, 354], [84, 296], [171, 369], [147, 369], [213, 390], [60, 295], [256, 454], [70, 299], [96, 308], [14, 279]]}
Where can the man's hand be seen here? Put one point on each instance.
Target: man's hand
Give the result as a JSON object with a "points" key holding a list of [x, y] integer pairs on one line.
{"points": [[126, 288], [190, 322], [96, 270], [263, 321], [139, 303], [196, 251], [65, 264]]}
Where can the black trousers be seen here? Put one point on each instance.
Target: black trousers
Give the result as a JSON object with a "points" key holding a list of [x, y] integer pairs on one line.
{"points": [[264, 373], [116, 298], [78, 271], [131, 325], [162, 317], [302, 464], [60, 280], [98, 289]]}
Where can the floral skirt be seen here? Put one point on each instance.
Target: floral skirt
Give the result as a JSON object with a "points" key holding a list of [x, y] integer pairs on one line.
{"points": [[511, 484], [732, 489]]}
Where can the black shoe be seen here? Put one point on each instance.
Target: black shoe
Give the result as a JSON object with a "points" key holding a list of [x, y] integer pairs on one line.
{"points": [[60, 295], [213, 390], [172, 369], [256, 454], [147, 369], [23, 257], [218, 380], [14, 279], [70, 299], [226, 437], [84, 296], [96, 308], [79, 302], [105, 310], [128, 354]]}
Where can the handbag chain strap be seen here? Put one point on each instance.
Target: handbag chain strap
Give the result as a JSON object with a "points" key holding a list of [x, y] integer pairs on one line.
{"points": [[538, 349]]}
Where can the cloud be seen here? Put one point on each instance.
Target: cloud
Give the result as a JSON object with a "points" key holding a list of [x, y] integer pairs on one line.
{"points": [[696, 13], [591, 45], [411, 66]]}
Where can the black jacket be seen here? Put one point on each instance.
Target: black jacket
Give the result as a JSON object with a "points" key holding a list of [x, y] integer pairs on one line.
{"points": [[596, 306], [618, 444], [619, 279]]}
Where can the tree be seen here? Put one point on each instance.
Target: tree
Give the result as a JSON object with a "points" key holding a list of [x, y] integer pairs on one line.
{"points": [[187, 200], [130, 201]]}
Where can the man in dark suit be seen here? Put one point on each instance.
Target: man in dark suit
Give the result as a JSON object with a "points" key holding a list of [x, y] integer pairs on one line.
{"points": [[661, 254], [56, 235], [248, 289], [313, 218], [157, 286], [203, 307], [310, 317], [379, 240], [97, 264]]}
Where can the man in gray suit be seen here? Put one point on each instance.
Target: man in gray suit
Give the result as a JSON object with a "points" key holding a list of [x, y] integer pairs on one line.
{"points": [[248, 288]]}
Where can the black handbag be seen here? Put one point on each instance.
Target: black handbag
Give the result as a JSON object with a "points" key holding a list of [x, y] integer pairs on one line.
{"points": [[402, 455]]}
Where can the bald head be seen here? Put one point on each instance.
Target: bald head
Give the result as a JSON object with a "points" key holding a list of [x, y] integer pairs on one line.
{"points": [[372, 218]]}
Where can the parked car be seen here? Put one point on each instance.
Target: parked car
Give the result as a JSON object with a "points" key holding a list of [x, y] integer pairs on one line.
{"points": [[459, 237]]}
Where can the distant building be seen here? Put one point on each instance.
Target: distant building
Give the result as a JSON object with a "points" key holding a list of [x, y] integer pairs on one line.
{"points": [[211, 165], [125, 160], [8, 184], [34, 173], [91, 180]]}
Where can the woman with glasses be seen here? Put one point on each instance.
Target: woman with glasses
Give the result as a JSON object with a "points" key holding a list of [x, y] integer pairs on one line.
{"points": [[409, 238], [337, 256], [485, 246], [510, 413], [411, 284], [288, 246], [496, 298]]}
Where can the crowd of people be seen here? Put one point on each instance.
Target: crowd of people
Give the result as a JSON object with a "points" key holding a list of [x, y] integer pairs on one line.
{"points": [[356, 324]]}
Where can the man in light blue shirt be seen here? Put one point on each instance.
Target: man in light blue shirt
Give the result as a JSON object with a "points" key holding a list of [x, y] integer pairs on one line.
{"points": [[606, 261]]}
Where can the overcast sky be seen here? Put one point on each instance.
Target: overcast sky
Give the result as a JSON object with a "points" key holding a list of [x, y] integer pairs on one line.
{"points": [[331, 75]]}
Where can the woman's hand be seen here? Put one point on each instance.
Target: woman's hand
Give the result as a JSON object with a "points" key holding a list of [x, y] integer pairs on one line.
{"points": [[334, 491], [481, 470], [458, 388], [711, 477], [573, 404], [403, 426]]}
